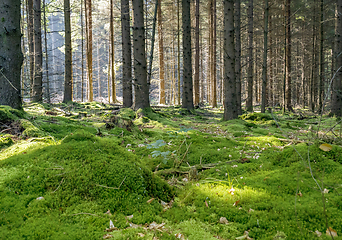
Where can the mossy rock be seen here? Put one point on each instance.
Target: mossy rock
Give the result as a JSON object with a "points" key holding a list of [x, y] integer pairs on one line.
{"points": [[256, 117], [100, 171], [8, 114], [30, 130], [5, 141]]}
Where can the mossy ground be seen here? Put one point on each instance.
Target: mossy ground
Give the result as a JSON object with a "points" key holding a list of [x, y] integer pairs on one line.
{"points": [[82, 167]]}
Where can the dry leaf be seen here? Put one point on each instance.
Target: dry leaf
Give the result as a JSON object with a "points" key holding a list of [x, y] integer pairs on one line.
{"points": [[180, 236], [250, 210], [141, 235], [325, 147], [130, 216], [331, 232], [236, 203], [206, 204], [224, 220], [318, 233], [300, 194], [325, 191], [107, 236], [108, 212], [149, 201]]}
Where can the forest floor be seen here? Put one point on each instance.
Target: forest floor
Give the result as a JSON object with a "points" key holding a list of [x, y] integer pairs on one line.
{"points": [[94, 171]]}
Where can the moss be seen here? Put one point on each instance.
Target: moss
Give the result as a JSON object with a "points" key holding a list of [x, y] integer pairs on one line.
{"points": [[8, 114], [256, 116], [79, 135], [30, 130], [127, 114], [5, 141]]}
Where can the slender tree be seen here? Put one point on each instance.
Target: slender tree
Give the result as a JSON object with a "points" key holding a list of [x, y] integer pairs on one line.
{"points": [[264, 65], [187, 98], [30, 35], [288, 83], [112, 51], [68, 54], [230, 106], [197, 57], [48, 96], [37, 91], [11, 56], [126, 55], [89, 33], [162, 99], [250, 72], [237, 21], [141, 88]]}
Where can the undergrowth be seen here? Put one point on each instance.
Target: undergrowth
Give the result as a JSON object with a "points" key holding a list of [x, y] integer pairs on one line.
{"points": [[67, 170]]}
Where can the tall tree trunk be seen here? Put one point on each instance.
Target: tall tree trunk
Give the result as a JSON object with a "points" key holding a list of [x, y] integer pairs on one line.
{"points": [[112, 52], [250, 72], [187, 99], [68, 54], [264, 65], [30, 16], [141, 88], [321, 64], [271, 73], [82, 57], [89, 27], [37, 91], [179, 54], [126, 55], [197, 57], [48, 97], [237, 20], [161, 56], [288, 83], [11, 57], [214, 42], [98, 46], [337, 90], [230, 106]]}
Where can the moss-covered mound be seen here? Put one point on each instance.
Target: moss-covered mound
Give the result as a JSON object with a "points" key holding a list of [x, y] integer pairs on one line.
{"points": [[8, 114], [90, 176]]}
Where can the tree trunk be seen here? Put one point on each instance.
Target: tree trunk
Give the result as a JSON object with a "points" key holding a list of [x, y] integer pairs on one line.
{"points": [[321, 64], [197, 57], [214, 42], [230, 106], [68, 54], [187, 99], [46, 57], [37, 91], [288, 82], [264, 65], [337, 90], [141, 88], [30, 16], [249, 103], [82, 57], [126, 55], [162, 99], [89, 21], [112, 52], [179, 54], [237, 20], [11, 57]]}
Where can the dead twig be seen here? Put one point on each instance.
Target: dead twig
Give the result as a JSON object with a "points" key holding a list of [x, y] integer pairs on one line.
{"points": [[86, 214], [59, 185], [112, 187]]}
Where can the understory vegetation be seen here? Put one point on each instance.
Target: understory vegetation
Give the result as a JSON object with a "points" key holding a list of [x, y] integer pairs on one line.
{"points": [[93, 171]]}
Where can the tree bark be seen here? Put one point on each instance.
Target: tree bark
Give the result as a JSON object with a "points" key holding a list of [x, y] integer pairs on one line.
{"points": [[89, 27], [237, 20], [162, 99], [141, 88], [230, 106], [37, 91], [288, 83], [264, 65], [126, 55], [187, 99], [250, 72], [112, 52], [48, 96], [30, 35], [179, 53], [197, 57], [321, 64], [68, 54], [11, 56]]}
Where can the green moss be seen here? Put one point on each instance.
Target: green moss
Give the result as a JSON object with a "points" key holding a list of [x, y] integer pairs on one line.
{"points": [[5, 141], [30, 130], [8, 114], [127, 113], [256, 116]]}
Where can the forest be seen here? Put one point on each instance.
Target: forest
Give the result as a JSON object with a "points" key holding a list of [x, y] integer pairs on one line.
{"points": [[170, 119]]}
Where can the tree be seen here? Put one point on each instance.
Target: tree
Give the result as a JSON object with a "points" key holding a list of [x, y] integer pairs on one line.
{"points": [[68, 54], [288, 84], [141, 88], [37, 90], [162, 99], [337, 89], [89, 34], [112, 53], [30, 15], [230, 106], [237, 21], [187, 98], [11, 56], [264, 65], [126, 55], [197, 57], [249, 102]]}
